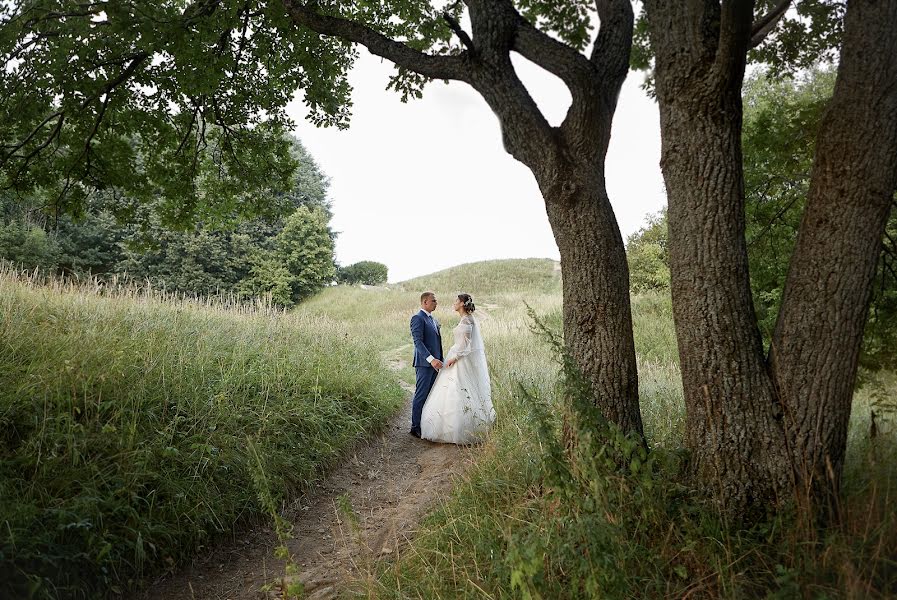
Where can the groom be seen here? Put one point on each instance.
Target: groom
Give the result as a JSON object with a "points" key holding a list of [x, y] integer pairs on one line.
{"points": [[427, 355]]}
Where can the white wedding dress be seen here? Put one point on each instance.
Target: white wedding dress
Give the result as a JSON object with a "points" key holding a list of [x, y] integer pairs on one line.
{"points": [[459, 408]]}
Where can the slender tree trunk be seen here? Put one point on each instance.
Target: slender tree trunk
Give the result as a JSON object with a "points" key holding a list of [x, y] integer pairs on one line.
{"points": [[817, 340], [597, 312]]}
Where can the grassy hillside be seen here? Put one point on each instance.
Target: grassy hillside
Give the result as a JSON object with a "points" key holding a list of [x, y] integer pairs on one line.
{"points": [[133, 428], [522, 524], [494, 277]]}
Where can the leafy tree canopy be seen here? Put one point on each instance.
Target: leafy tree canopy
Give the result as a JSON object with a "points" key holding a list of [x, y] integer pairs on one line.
{"points": [[367, 272], [158, 99], [186, 101]]}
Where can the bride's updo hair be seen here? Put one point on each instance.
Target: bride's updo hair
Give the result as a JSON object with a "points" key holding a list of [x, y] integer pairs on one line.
{"points": [[467, 301]]}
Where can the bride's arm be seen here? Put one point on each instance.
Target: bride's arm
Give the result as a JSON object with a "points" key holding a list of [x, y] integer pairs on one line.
{"points": [[462, 345]]}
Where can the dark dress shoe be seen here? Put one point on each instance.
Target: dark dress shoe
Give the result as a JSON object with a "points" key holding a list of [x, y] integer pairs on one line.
{"points": [[415, 433]]}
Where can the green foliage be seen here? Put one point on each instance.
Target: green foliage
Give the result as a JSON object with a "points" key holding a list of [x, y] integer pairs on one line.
{"points": [[646, 253], [92, 245], [151, 98], [124, 423], [268, 278], [367, 272], [118, 236], [305, 248], [781, 120], [187, 100], [198, 262], [300, 262], [804, 38], [28, 247]]}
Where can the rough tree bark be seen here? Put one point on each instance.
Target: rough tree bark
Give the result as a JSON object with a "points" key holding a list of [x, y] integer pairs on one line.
{"points": [[760, 430], [816, 343], [567, 162]]}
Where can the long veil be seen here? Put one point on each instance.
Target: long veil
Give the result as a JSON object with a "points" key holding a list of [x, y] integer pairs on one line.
{"points": [[479, 371]]}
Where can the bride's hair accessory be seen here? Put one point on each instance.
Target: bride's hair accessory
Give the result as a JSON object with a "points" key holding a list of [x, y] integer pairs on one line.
{"points": [[467, 301]]}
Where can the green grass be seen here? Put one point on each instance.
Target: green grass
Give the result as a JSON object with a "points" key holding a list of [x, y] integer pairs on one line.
{"points": [[516, 526], [517, 523], [518, 277], [125, 422]]}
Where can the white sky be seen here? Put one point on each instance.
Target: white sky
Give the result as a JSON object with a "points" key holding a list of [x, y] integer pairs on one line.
{"points": [[427, 185]]}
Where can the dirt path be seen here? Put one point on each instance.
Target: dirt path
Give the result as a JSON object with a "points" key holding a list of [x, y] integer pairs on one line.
{"points": [[388, 481]]}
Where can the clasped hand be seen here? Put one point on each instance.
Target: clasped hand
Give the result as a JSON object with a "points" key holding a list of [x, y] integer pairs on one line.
{"points": [[438, 364]]}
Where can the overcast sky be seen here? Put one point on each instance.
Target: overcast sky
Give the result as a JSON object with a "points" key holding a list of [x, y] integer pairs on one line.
{"points": [[427, 185]]}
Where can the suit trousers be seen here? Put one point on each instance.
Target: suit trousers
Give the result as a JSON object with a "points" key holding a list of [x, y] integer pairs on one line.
{"points": [[425, 377]]}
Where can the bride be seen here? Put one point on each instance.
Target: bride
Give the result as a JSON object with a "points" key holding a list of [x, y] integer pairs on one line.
{"points": [[459, 407]]}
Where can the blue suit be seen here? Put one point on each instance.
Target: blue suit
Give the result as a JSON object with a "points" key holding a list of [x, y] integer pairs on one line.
{"points": [[427, 342]]}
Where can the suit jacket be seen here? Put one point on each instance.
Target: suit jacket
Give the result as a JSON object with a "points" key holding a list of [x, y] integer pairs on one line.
{"points": [[426, 337]]}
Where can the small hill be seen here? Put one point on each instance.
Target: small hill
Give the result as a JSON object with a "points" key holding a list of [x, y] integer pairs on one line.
{"points": [[538, 275]]}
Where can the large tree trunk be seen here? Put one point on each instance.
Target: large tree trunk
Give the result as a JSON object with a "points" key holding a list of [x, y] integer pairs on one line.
{"points": [[755, 437], [733, 425], [597, 313], [817, 340]]}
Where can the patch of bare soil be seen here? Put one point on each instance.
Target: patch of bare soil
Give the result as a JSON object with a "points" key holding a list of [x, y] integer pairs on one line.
{"points": [[360, 514]]}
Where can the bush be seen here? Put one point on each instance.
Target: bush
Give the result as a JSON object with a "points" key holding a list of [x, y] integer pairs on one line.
{"points": [[366, 272], [646, 253]]}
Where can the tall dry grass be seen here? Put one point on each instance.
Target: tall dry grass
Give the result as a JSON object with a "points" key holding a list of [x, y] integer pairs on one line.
{"points": [[125, 418]]}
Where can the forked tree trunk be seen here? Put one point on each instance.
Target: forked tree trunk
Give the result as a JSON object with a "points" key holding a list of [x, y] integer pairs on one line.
{"points": [[756, 439]]}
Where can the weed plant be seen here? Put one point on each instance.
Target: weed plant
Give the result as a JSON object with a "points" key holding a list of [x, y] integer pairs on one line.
{"points": [[125, 421]]}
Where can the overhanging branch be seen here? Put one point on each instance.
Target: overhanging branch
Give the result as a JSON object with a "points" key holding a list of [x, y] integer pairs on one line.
{"points": [[428, 65], [456, 27], [765, 24]]}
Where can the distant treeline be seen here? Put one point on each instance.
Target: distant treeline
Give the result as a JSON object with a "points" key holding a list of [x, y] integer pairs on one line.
{"points": [[285, 250]]}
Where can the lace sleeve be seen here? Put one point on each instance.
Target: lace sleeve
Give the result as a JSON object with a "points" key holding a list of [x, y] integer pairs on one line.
{"points": [[462, 339]]}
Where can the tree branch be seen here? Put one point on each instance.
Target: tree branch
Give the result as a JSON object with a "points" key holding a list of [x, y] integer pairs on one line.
{"points": [[734, 39], [765, 24], [613, 43], [462, 35], [428, 65], [555, 57]]}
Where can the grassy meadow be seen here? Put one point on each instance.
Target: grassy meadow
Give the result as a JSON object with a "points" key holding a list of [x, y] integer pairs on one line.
{"points": [[134, 428], [122, 415], [521, 525]]}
